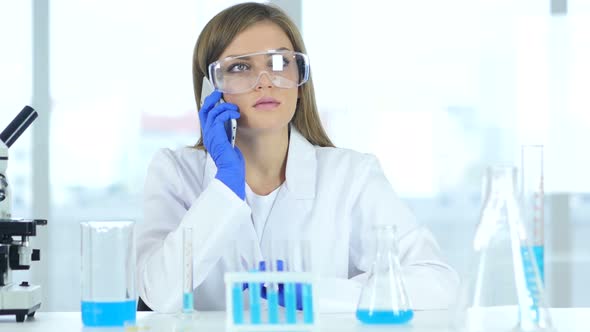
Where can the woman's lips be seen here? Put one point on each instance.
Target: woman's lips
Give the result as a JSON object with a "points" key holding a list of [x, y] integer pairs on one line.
{"points": [[266, 103]]}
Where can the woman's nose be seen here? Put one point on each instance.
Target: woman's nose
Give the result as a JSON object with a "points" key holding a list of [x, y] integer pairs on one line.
{"points": [[264, 80]]}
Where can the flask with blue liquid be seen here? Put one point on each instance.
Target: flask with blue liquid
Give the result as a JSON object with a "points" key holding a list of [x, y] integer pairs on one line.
{"points": [[383, 299]]}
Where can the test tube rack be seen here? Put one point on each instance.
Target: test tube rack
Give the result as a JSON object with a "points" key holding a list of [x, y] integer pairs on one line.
{"points": [[260, 319]]}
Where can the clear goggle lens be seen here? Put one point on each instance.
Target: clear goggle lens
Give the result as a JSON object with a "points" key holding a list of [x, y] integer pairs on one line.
{"points": [[285, 69]]}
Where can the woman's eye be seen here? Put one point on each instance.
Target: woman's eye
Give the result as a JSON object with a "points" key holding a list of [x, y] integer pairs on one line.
{"points": [[237, 67]]}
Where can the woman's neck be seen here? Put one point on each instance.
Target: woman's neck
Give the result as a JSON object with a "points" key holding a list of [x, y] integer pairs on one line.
{"points": [[265, 155]]}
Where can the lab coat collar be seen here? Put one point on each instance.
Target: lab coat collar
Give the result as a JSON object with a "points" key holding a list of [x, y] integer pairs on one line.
{"points": [[301, 167]]}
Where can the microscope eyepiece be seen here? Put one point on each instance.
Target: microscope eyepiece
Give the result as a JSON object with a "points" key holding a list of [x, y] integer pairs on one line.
{"points": [[20, 123]]}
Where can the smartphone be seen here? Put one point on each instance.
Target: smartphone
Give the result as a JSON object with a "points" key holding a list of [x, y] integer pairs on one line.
{"points": [[231, 126]]}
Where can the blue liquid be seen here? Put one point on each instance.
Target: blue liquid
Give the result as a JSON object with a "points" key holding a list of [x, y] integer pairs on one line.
{"points": [[384, 317], [539, 253], [108, 313], [187, 302], [290, 303], [237, 303], [307, 304], [273, 306], [254, 288]]}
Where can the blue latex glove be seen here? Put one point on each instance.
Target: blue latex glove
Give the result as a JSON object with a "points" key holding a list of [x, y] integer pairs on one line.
{"points": [[229, 161]]}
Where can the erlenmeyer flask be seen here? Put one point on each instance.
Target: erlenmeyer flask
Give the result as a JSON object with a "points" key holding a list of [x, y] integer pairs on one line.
{"points": [[383, 299], [503, 291]]}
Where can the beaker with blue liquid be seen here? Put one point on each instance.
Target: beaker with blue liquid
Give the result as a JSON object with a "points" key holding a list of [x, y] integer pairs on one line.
{"points": [[108, 273], [383, 299]]}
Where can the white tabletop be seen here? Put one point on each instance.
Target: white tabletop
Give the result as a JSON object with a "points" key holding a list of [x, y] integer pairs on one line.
{"points": [[564, 320]]}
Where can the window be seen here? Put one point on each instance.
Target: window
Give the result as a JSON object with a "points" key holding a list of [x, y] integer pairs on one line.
{"points": [[438, 90]]}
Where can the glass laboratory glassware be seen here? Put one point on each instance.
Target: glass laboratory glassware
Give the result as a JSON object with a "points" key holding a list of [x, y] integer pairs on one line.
{"points": [[504, 268], [108, 273], [383, 298], [272, 265], [297, 257], [254, 288], [188, 307], [307, 299], [533, 203]]}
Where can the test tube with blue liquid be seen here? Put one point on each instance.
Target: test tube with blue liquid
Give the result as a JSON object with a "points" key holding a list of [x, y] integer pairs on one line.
{"points": [[187, 271], [254, 288], [237, 288], [290, 301], [290, 251], [272, 293], [306, 291]]}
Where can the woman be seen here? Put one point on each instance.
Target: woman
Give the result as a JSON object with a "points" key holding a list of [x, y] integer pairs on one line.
{"points": [[284, 178]]}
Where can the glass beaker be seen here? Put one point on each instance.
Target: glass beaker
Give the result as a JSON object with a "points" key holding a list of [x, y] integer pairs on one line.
{"points": [[504, 268], [108, 273], [383, 298]]}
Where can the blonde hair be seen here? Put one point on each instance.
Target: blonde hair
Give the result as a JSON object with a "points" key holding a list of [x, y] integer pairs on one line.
{"points": [[221, 31]]}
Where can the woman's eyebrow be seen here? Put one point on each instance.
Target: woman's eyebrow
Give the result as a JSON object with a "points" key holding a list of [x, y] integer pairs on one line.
{"points": [[248, 57]]}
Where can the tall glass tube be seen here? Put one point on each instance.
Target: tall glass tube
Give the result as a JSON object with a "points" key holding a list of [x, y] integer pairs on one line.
{"points": [[254, 288], [306, 296], [187, 270], [532, 197]]}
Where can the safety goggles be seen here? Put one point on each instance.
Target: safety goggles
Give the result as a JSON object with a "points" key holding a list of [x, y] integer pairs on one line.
{"points": [[237, 74]]}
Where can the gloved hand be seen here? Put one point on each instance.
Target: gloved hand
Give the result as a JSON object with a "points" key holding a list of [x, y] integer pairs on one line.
{"points": [[229, 161]]}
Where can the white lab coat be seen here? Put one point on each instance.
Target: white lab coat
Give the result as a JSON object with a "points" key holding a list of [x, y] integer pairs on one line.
{"points": [[331, 196]]}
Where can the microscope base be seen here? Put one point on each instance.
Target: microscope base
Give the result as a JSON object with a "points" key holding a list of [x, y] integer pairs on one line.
{"points": [[20, 300]]}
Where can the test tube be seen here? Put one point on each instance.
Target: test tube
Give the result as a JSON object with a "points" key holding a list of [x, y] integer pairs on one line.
{"points": [[237, 289], [187, 273], [272, 293], [254, 287], [306, 292], [272, 288], [290, 293]]}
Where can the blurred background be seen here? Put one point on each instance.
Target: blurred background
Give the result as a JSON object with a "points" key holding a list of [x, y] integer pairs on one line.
{"points": [[437, 90]]}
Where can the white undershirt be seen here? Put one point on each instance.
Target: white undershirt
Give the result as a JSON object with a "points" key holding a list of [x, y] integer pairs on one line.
{"points": [[261, 207]]}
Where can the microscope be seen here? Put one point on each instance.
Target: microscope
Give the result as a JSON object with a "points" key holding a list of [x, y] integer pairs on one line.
{"points": [[19, 299]]}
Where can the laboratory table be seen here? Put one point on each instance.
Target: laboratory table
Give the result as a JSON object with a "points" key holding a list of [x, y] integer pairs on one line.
{"points": [[564, 320]]}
